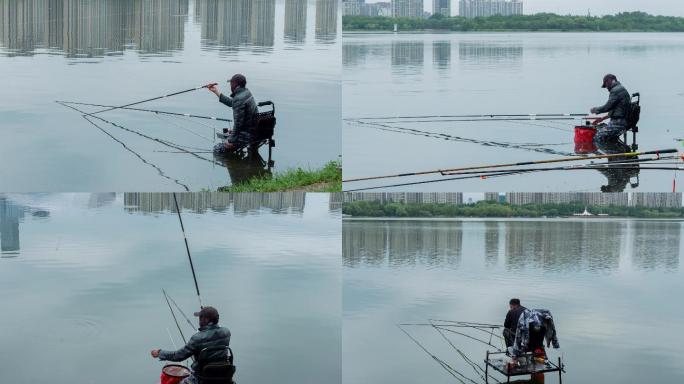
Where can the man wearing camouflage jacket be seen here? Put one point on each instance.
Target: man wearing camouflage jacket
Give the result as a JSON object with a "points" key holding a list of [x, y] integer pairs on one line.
{"points": [[534, 326]]}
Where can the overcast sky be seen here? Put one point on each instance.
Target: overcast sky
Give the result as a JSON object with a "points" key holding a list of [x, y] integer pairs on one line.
{"points": [[597, 7]]}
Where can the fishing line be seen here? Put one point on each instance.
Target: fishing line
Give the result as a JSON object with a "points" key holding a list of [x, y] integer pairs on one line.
{"points": [[183, 128], [447, 137], [151, 111], [160, 141], [157, 168], [453, 372], [476, 367]]}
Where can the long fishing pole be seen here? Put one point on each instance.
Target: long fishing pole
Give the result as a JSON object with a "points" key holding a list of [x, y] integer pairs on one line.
{"points": [[503, 173], [149, 110], [471, 116], [187, 248], [447, 120], [152, 99], [448, 171]]}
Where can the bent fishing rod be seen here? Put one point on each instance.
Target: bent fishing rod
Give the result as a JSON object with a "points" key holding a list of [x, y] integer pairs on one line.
{"points": [[148, 110], [153, 99], [187, 248], [449, 171]]}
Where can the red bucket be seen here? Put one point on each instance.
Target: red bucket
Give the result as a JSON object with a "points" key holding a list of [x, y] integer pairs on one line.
{"points": [[174, 374], [584, 134]]}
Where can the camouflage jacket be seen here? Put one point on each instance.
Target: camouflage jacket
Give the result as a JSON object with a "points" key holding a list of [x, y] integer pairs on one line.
{"points": [[531, 318], [618, 104], [208, 336], [245, 112]]}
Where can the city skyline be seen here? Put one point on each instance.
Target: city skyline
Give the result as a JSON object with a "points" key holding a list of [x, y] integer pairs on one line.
{"points": [[582, 7]]}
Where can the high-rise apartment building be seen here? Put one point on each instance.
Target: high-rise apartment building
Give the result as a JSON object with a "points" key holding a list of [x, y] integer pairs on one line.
{"points": [[486, 8], [441, 7], [407, 8]]}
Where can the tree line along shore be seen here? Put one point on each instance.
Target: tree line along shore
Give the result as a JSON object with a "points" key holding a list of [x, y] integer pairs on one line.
{"points": [[621, 22], [496, 209]]}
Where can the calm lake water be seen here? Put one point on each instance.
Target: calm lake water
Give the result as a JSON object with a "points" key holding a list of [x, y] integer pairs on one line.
{"points": [[411, 74], [81, 278], [612, 286], [118, 52]]}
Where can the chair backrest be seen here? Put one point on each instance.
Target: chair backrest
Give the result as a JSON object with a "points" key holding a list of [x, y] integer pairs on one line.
{"points": [[266, 122], [215, 366], [634, 112]]}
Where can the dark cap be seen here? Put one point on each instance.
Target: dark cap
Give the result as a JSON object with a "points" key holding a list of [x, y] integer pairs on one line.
{"points": [[606, 78], [239, 79], [209, 313], [514, 301]]}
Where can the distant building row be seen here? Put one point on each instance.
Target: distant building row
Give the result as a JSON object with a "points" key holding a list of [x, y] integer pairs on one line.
{"points": [[406, 197], [635, 199], [416, 8]]}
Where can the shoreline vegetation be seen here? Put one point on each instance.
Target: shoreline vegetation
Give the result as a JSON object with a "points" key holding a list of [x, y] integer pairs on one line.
{"points": [[540, 22], [326, 179], [370, 209]]}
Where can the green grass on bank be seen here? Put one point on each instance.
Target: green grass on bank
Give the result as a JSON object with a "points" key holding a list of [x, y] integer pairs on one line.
{"points": [[621, 22], [326, 179]]}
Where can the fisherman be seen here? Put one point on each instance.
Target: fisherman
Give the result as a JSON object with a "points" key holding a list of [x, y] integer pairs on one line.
{"points": [[534, 326], [617, 107], [511, 322], [209, 335], [245, 113]]}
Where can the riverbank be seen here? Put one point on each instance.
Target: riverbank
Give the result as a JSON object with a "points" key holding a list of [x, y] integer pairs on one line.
{"points": [[540, 22], [326, 179], [492, 209]]}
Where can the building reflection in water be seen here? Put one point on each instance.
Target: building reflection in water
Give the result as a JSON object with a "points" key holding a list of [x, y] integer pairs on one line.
{"points": [[285, 202], [564, 246], [441, 54], [402, 243], [490, 53], [656, 245], [326, 20], [11, 216], [295, 21], [553, 246], [95, 28], [407, 56]]}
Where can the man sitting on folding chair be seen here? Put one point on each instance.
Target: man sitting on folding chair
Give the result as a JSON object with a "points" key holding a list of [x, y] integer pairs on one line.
{"points": [[209, 348], [245, 112]]}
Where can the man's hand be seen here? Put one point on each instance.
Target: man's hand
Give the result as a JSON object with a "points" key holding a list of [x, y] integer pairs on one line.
{"points": [[155, 353], [215, 90]]}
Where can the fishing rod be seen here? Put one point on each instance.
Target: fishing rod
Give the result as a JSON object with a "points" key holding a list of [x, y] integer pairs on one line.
{"points": [[187, 248], [446, 172], [153, 99], [471, 116], [148, 110], [174, 316], [503, 173], [447, 120]]}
